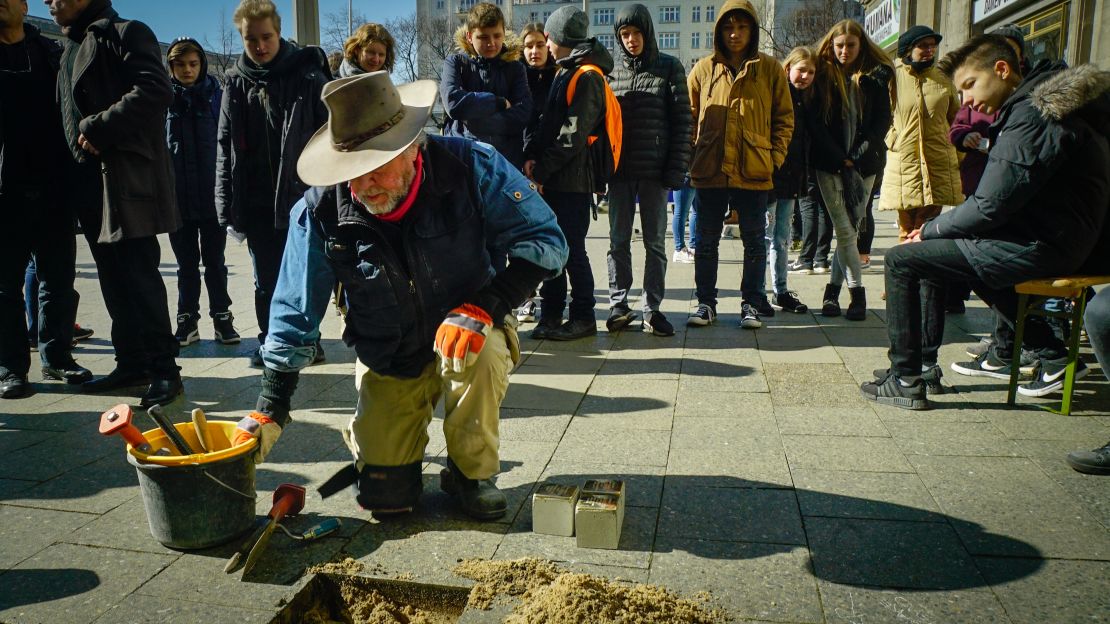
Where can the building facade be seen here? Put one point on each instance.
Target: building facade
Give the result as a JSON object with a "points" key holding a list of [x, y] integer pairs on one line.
{"points": [[1076, 31]]}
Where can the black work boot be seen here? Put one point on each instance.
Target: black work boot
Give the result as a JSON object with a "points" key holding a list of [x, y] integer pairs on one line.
{"points": [[390, 490], [830, 303], [480, 499], [857, 307]]}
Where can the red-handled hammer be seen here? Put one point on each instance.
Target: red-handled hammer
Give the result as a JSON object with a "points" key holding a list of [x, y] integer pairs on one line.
{"points": [[118, 420]]}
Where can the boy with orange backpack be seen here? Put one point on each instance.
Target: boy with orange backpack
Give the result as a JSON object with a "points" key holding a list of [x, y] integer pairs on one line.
{"points": [[568, 166]]}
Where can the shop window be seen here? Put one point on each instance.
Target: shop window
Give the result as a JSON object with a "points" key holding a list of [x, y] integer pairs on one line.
{"points": [[1046, 34]]}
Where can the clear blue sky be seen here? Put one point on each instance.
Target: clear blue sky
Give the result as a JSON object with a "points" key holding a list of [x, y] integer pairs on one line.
{"points": [[171, 19]]}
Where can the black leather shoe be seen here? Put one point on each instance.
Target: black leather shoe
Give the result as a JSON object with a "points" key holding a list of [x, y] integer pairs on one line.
{"points": [[480, 499], [573, 330], [70, 372], [118, 378], [162, 391], [14, 386]]}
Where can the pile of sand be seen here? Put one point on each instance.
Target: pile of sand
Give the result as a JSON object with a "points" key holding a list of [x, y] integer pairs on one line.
{"points": [[551, 595]]}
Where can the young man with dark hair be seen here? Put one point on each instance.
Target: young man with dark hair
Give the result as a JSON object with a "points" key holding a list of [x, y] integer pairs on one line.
{"points": [[485, 89], [191, 136], [1038, 211], [655, 111], [114, 93]]}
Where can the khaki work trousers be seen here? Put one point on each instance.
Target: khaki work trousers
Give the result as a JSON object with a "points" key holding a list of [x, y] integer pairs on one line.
{"points": [[913, 218], [390, 425]]}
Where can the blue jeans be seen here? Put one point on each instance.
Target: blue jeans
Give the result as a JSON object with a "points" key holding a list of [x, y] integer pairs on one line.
{"points": [[751, 206], [572, 211], [779, 215], [685, 203]]}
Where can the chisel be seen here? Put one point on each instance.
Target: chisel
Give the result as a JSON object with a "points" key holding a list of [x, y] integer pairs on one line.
{"points": [[172, 434]]}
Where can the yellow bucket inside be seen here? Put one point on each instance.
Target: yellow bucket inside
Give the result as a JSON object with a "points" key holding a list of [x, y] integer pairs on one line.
{"points": [[220, 433]]}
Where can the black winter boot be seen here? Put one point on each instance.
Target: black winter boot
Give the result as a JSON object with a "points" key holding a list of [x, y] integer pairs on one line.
{"points": [[480, 499], [857, 307], [830, 303]]}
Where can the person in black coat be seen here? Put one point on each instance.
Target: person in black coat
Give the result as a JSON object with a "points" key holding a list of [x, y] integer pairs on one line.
{"points": [[114, 93], [191, 137], [1040, 210], [655, 112], [38, 222], [271, 107]]}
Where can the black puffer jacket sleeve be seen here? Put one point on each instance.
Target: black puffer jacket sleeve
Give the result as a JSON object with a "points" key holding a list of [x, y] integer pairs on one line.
{"points": [[682, 128], [869, 150]]}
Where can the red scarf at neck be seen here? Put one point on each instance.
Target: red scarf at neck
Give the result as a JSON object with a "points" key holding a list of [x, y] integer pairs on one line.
{"points": [[398, 213]]}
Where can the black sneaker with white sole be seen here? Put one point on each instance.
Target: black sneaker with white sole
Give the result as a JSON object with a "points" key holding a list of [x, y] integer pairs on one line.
{"points": [[1050, 378], [1028, 358], [889, 390], [619, 318], [704, 315], [799, 268], [788, 302], [1096, 462], [763, 307], [657, 325], [931, 376], [749, 318], [187, 332], [224, 325], [986, 365]]}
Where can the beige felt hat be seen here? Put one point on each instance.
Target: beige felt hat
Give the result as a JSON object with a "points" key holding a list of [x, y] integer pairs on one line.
{"points": [[370, 122]]}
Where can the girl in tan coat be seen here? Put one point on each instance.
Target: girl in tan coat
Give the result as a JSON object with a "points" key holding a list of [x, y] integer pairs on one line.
{"points": [[922, 171]]}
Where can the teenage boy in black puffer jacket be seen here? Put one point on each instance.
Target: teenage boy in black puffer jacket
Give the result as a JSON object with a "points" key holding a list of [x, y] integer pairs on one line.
{"points": [[655, 111], [191, 136]]}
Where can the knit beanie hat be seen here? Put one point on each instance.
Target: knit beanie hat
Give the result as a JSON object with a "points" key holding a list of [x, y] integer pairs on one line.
{"points": [[567, 26], [1012, 32], [912, 35]]}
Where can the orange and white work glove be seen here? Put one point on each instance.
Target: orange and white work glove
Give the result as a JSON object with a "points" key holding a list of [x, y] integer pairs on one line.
{"points": [[461, 336], [260, 426]]}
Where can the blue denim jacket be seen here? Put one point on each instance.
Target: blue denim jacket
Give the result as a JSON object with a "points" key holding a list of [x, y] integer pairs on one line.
{"points": [[517, 224]]}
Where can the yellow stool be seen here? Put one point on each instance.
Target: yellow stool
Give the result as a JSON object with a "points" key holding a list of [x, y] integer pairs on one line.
{"points": [[1071, 288]]}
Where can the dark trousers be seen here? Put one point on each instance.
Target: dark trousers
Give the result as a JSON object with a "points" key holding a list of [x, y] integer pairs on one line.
{"points": [[652, 201], [196, 242], [1096, 320], [36, 228], [267, 246], [917, 271], [751, 210], [817, 230], [134, 294], [796, 223], [572, 211], [867, 224]]}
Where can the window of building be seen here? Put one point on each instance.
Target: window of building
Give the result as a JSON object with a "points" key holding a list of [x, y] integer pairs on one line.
{"points": [[604, 17], [1046, 34], [710, 12], [534, 16], [440, 4], [695, 14], [670, 14], [609, 41], [695, 40], [546, 14], [668, 41]]}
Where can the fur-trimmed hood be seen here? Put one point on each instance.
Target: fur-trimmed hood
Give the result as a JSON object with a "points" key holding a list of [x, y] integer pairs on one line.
{"points": [[1064, 92], [511, 50]]}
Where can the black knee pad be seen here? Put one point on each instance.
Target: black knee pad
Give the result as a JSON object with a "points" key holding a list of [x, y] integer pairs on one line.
{"points": [[390, 489]]}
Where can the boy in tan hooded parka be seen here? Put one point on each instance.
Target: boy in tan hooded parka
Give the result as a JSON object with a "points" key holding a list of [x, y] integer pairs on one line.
{"points": [[744, 119]]}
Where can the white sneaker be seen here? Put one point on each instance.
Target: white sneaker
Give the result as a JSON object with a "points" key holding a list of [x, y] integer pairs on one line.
{"points": [[729, 231], [527, 312], [683, 256]]}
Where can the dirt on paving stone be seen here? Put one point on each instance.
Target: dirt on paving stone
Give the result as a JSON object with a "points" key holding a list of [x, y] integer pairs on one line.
{"points": [[552, 595]]}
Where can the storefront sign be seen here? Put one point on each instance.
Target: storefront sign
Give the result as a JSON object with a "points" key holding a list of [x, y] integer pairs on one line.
{"points": [[986, 8], [881, 23]]}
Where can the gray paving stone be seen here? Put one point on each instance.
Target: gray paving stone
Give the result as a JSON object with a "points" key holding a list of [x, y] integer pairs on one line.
{"points": [[10, 487], [15, 439], [562, 393], [585, 441], [818, 395], [854, 603], [915, 555], [805, 374], [635, 548], [754, 431], [1091, 491], [139, 609], [25, 531], [643, 484], [842, 421], [96, 488], [65, 452], [123, 528], [1007, 506], [73, 584], [698, 404], [844, 453], [1041, 425], [873, 495], [740, 514], [752, 382], [768, 582], [925, 438], [1035, 591], [532, 425], [198, 577]]}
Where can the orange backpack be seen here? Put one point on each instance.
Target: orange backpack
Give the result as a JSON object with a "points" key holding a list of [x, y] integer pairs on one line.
{"points": [[604, 145]]}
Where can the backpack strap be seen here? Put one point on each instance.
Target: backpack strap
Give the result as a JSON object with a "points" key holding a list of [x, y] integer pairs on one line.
{"points": [[574, 78]]}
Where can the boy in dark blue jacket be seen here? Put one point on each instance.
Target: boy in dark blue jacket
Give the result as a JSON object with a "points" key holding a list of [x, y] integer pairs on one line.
{"points": [[484, 89], [191, 136]]}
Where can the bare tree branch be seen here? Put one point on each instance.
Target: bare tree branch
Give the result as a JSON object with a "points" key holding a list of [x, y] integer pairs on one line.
{"points": [[805, 26], [224, 49], [333, 30], [406, 37], [437, 42]]}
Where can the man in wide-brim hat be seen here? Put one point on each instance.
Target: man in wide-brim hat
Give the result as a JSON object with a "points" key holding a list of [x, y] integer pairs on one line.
{"points": [[416, 229]]}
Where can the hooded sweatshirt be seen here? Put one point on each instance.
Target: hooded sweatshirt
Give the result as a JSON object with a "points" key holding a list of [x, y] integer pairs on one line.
{"points": [[1040, 208], [655, 106], [559, 148], [191, 123], [487, 99], [743, 115]]}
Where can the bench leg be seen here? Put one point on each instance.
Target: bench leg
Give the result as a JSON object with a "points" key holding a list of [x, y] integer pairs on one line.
{"points": [[1015, 357], [1073, 352]]}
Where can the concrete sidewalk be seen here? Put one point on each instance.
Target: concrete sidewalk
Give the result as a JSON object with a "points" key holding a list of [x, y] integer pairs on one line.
{"points": [[755, 471]]}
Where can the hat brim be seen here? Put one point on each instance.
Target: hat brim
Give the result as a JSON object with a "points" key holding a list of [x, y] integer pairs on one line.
{"points": [[321, 164]]}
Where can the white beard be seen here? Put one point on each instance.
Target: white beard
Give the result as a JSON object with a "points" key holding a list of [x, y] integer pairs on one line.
{"points": [[393, 198]]}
